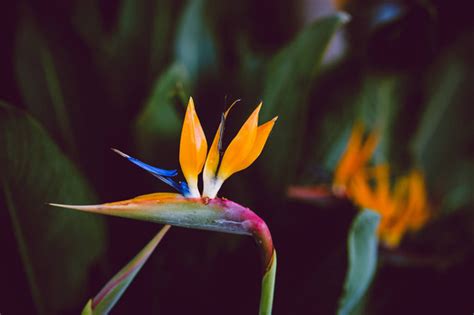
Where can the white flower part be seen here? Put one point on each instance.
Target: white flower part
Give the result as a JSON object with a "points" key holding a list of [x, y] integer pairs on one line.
{"points": [[194, 192], [212, 188]]}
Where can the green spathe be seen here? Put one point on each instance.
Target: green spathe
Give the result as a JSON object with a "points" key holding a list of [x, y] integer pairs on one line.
{"points": [[216, 214], [268, 287]]}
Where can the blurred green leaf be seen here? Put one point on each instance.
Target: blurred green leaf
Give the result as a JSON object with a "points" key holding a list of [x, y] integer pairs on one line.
{"points": [[39, 81], [362, 255], [268, 287], [123, 57], [459, 187], [195, 47], [438, 117], [287, 85], [127, 54], [57, 247], [161, 34], [160, 120], [88, 22], [105, 300], [138, 44], [376, 107], [441, 143]]}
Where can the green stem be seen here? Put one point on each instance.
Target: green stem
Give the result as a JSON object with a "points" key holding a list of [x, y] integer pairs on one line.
{"points": [[268, 286], [23, 250]]}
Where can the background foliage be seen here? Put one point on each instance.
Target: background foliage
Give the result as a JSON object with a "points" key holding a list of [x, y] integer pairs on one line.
{"points": [[79, 77]]}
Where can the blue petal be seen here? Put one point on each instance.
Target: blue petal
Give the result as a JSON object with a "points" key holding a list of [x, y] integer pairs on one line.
{"points": [[181, 187], [184, 189], [154, 170], [164, 175]]}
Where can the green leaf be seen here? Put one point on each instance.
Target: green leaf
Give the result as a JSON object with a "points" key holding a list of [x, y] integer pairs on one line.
{"points": [[362, 256], [268, 287], [195, 46], [161, 34], [105, 300], [376, 107], [88, 308], [160, 120], [287, 86], [458, 187], [123, 58], [56, 247], [87, 20], [439, 116], [39, 81], [442, 143]]}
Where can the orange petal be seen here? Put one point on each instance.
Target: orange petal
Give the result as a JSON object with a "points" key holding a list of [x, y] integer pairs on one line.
{"points": [[417, 200], [347, 164], [192, 149], [391, 238], [263, 132], [368, 147], [360, 191], [382, 179], [240, 147], [398, 217], [157, 196], [212, 161]]}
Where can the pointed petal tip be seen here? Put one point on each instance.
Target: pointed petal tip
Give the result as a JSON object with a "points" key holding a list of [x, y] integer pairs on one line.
{"points": [[120, 153], [75, 207], [254, 115], [191, 102], [57, 205]]}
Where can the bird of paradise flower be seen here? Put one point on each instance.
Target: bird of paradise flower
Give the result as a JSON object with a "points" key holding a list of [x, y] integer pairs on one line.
{"points": [[403, 205], [191, 209]]}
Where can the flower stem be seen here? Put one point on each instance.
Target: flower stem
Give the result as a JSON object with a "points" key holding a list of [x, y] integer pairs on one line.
{"points": [[268, 286]]}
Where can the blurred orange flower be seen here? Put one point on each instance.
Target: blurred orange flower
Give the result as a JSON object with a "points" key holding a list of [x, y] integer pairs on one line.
{"points": [[403, 205], [358, 152]]}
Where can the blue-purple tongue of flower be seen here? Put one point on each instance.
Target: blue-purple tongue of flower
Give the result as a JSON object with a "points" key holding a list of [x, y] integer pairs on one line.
{"points": [[162, 174]]}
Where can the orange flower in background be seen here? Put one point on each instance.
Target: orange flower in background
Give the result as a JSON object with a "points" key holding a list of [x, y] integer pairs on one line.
{"points": [[358, 152], [402, 206], [402, 203]]}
